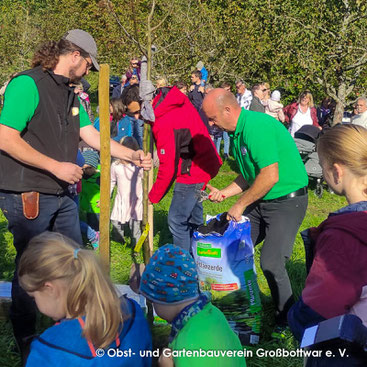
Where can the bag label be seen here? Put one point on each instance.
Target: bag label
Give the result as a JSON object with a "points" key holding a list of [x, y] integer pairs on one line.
{"points": [[224, 287], [206, 250]]}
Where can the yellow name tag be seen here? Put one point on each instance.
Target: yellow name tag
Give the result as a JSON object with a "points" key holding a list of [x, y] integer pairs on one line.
{"points": [[75, 111]]}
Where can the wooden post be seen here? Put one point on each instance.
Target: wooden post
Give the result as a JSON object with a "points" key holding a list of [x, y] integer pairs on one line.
{"points": [[148, 176], [104, 124]]}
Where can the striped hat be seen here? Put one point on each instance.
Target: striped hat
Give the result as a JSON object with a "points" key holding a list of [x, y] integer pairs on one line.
{"points": [[91, 158]]}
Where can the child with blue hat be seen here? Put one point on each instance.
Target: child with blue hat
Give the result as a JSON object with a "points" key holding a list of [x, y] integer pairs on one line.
{"points": [[200, 334]]}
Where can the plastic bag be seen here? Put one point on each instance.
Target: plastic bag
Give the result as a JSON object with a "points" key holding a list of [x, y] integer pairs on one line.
{"points": [[224, 256]]}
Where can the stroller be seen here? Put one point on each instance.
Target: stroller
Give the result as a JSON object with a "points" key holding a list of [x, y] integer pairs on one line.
{"points": [[305, 139]]}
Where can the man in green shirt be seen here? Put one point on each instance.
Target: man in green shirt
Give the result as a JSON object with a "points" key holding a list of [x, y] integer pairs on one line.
{"points": [[273, 183], [40, 127]]}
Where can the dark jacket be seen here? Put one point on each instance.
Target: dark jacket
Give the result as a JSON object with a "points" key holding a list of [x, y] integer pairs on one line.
{"points": [[186, 152], [53, 130], [256, 105], [117, 91], [196, 97]]}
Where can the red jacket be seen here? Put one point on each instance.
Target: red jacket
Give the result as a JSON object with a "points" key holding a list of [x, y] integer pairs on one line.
{"points": [[186, 152], [339, 269], [291, 110]]}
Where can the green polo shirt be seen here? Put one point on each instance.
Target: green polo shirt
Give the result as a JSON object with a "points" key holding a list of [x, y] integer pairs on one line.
{"points": [[21, 101], [259, 141]]}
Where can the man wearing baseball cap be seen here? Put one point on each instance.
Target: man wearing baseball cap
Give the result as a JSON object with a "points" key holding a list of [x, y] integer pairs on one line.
{"points": [[40, 127]]}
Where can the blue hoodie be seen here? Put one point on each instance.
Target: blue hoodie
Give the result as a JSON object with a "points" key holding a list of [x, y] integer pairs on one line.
{"points": [[63, 344]]}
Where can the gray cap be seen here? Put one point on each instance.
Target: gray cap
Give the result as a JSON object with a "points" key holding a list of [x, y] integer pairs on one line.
{"points": [[85, 41]]}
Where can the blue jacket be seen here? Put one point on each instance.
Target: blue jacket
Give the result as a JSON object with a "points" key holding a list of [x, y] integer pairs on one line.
{"points": [[204, 74], [63, 345], [124, 128]]}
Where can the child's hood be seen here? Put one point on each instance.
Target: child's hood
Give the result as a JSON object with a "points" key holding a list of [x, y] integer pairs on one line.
{"points": [[167, 100], [353, 223]]}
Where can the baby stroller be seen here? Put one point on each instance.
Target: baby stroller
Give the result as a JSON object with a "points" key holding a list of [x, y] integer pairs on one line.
{"points": [[305, 139]]}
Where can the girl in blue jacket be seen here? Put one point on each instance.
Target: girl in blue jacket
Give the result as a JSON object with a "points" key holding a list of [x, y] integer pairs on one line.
{"points": [[95, 327]]}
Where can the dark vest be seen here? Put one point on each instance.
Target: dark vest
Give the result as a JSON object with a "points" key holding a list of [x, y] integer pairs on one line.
{"points": [[53, 130]]}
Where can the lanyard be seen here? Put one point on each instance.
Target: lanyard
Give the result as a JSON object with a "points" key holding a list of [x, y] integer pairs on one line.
{"points": [[90, 344]]}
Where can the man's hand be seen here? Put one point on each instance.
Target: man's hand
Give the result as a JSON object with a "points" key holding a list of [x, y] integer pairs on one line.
{"points": [[192, 87], [201, 89], [142, 160], [68, 172], [164, 361], [235, 213], [215, 195]]}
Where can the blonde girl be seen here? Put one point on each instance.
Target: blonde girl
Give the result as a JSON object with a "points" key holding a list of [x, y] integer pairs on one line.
{"points": [[69, 285], [336, 251]]}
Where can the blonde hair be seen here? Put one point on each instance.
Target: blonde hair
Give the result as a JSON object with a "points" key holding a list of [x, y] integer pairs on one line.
{"points": [[161, 82], [50, 256], [306, 93], [347, 145]]}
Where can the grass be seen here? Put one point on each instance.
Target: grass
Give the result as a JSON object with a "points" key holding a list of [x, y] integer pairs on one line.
{"points": [[121, 260]]}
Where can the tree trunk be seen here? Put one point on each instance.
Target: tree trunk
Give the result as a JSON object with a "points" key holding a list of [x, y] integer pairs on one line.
{"points": [[338, 114]]}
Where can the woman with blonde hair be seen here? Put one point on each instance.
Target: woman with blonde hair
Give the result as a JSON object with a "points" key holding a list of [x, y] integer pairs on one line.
{"points": [[336, 251], [69, 285], [161, 82], [301, 113]]}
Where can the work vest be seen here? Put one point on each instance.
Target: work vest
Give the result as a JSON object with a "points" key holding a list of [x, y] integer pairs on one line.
{"points": [[53, 131]]}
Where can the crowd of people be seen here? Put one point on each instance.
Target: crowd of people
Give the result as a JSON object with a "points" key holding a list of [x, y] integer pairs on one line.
{"points": [[49, 171]]}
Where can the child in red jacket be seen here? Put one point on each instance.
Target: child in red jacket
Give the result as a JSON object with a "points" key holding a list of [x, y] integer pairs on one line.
{"points": [[337, 250], [186, 155]]}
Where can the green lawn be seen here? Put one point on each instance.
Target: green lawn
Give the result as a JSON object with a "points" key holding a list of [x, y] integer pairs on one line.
{"points": [[121, 260]]}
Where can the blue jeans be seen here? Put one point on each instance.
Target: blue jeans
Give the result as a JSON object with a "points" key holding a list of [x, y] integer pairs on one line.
{"points": [[226, 142], [217, 142], [87, 231], [185, 213], [56, 213]]}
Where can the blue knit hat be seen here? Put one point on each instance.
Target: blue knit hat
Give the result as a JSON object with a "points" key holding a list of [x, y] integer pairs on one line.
{"points": [[170, 276], [91, 158]]}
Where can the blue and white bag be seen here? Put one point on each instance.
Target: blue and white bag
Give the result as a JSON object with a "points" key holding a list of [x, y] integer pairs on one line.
{"points": [[224, 255]]}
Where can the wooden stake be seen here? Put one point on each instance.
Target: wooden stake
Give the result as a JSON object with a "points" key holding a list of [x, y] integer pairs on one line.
{"points": [[104, 124]]}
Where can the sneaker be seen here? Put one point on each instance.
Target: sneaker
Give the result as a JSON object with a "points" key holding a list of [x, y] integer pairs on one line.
{"points": [[95, 241], [225, 156]]}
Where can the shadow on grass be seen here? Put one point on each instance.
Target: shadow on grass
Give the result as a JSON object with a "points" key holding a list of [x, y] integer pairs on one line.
{"points": [[161, 231]]}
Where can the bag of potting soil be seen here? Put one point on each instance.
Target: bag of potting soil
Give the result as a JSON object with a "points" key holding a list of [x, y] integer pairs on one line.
{"points": [[224, 255]]}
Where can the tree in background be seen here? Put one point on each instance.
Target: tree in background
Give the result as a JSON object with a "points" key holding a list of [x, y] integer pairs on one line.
{"points": [[318, 45]]}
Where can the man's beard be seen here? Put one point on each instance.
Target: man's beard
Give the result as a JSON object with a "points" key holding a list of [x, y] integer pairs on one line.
{"points": [[72, 76]]}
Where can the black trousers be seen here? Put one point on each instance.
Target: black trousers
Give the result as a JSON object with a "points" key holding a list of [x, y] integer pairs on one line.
{"points": [[277, 223]]}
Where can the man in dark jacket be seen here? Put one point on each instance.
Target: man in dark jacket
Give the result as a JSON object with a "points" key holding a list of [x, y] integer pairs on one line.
{"points": [[196, 93], [40, 126], [258, 95]]}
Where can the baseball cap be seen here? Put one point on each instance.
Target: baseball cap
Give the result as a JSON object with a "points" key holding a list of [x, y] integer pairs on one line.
{"points": [[86, 42]]}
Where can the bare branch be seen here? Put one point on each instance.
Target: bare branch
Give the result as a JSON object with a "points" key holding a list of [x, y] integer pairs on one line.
{"points": [[108, 3], [307, 26], [361, 62], [164, 19]]}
